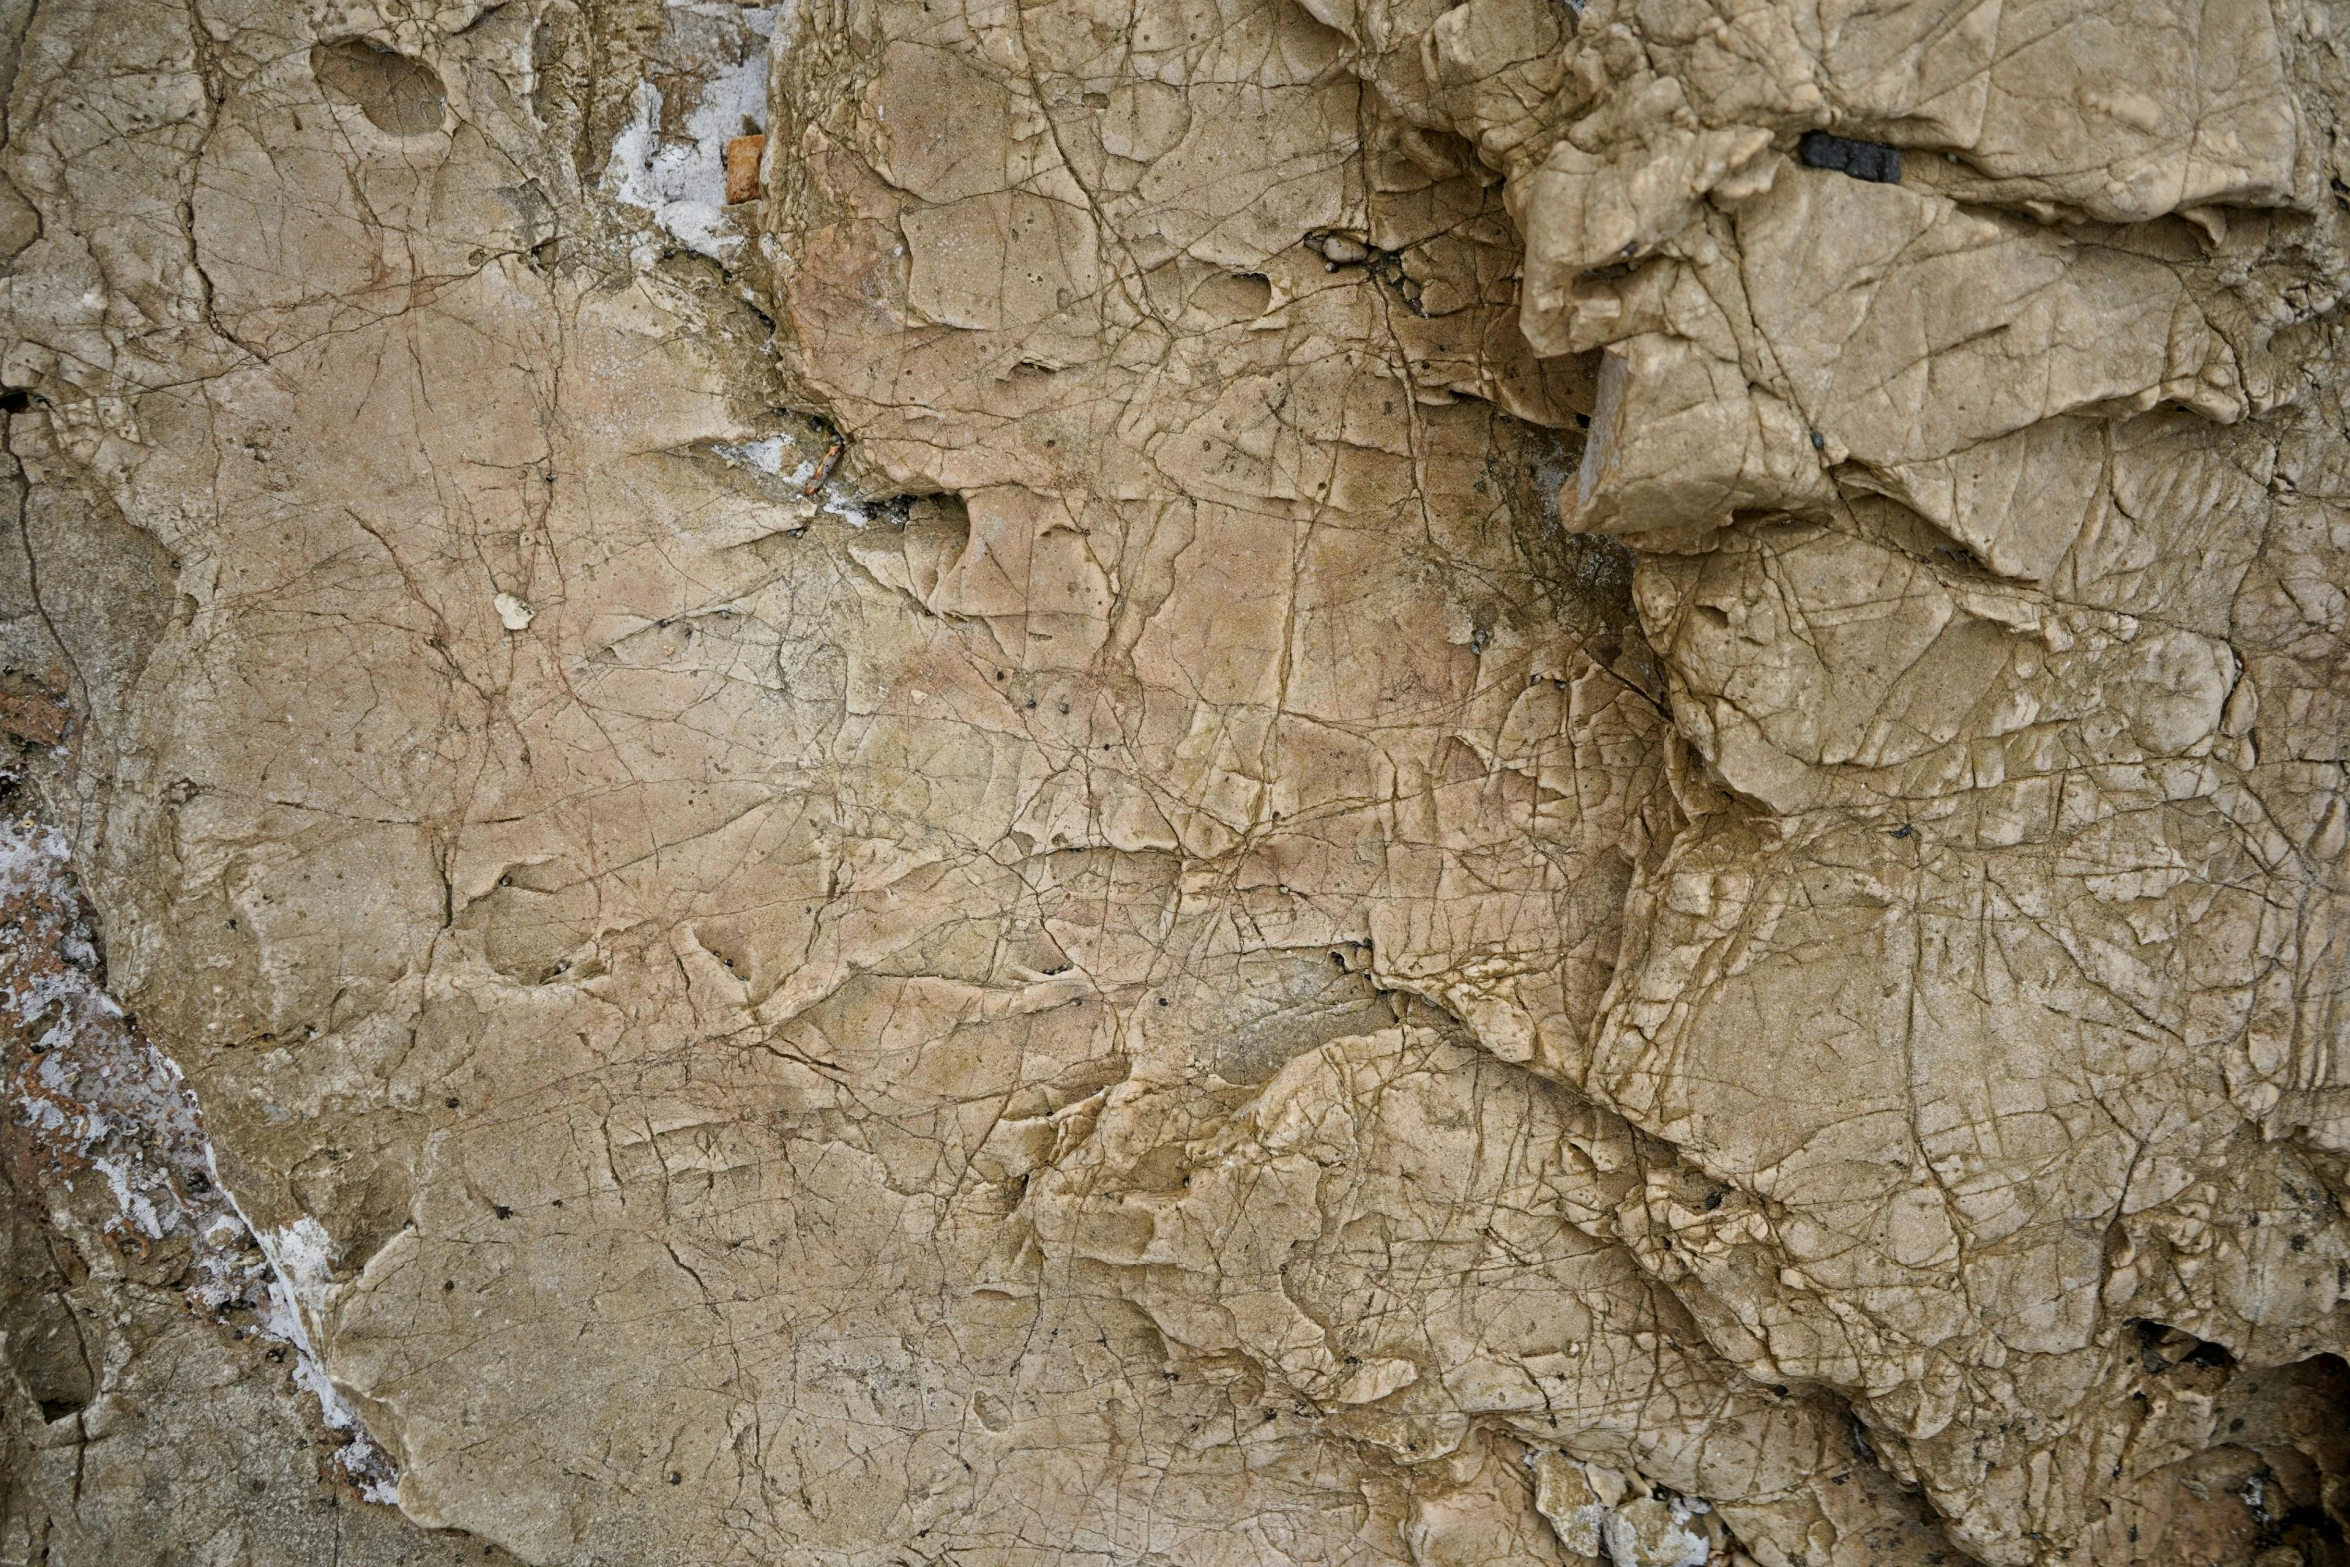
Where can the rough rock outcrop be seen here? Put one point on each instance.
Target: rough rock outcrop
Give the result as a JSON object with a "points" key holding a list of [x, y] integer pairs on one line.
{"points": [[1270, 782]]}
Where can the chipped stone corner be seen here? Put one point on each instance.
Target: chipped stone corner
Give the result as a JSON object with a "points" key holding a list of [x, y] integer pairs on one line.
{"points": [[1604, 1515]]}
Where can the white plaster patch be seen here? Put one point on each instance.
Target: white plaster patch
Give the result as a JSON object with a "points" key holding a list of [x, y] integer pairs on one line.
{"points": [[681, 181]]}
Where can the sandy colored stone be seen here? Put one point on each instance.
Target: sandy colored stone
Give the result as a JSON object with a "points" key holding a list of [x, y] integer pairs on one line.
{"points": [[1234, 782]]}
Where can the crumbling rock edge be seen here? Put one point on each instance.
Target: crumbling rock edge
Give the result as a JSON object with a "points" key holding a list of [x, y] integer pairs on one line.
{"points": [[93, 1096]]}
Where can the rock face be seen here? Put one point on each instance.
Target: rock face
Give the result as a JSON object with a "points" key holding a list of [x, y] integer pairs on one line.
{"points": [[1269, 782]]}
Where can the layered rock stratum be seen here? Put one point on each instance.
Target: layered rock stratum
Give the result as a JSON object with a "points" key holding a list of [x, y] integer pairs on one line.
{"points": [[1269, 781]]}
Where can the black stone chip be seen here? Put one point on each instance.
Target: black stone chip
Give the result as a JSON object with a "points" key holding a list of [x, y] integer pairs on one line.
{"points": [[1863, 160]]}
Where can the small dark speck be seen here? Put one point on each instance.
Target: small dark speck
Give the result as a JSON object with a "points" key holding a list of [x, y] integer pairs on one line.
{"points": [[675, 1478], [502, 1211], [448, 1285], [2301, 1243], [451, 1101], [1903, 831], [2236, 1424], [1163, 1001]]}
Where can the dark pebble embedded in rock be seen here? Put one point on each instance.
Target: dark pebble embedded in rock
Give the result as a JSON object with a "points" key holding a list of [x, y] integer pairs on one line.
{"points": [[1863, 160]]}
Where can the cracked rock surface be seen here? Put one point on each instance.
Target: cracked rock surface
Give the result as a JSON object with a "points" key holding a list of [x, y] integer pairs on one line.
{"points": [[1208, 782]]}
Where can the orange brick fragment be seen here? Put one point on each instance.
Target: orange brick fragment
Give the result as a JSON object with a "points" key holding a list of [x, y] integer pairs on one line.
{"points": [[742, 168], [40, 719]]}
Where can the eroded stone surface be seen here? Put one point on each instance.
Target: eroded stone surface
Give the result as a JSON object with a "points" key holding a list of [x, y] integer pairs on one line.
{"points": [[1271, 782]]}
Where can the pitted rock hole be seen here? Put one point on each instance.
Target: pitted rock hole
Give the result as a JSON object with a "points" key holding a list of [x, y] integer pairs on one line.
{"points": [[397, 94], [1234, 296]]}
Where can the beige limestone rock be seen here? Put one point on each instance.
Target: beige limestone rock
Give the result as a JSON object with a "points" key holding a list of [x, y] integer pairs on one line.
{"points": [[1226, 782]]}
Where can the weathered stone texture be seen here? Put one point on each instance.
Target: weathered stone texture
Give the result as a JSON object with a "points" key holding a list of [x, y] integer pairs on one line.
{"points": [[1269, 782]]}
